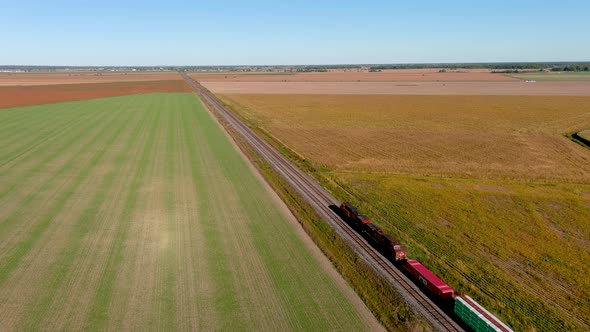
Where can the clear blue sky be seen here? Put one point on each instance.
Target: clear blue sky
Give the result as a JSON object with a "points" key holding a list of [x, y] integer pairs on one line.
{"points": [[107, 32]]}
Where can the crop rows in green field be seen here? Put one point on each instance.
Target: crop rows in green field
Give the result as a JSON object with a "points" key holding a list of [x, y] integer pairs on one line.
{"points": [[137, 213]]}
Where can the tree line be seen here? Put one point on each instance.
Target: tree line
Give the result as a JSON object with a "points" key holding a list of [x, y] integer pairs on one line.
{"points": [[572, 68]]}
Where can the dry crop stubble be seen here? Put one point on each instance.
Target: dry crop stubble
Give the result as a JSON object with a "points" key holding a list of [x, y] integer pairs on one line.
{"points": [[485, 190], [465, 136], [481, 88]]}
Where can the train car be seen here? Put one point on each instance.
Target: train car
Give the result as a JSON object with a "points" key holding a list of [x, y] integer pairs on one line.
{"points": [[374, 232], [477, 317], [352, 213], [361, 219], [385, 243], [349, 210], [393, 247], [430, 280]]}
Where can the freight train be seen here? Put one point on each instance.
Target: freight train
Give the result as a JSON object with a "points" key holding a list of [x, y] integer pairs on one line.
{"points": [[464, 307]]}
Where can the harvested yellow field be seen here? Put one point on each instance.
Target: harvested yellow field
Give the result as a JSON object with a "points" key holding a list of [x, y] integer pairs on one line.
{"points": [[453, 88], [394, 75], [486, 191], [483, 137]]}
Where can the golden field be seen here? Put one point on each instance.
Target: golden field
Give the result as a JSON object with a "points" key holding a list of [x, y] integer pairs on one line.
{"points": [[460, 136], [485, 190]]}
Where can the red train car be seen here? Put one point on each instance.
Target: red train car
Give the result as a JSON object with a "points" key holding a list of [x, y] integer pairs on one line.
{"points": [[429, 279]]}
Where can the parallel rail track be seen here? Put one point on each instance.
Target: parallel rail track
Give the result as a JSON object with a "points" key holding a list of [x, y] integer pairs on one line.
{"points": [[321, 201]]}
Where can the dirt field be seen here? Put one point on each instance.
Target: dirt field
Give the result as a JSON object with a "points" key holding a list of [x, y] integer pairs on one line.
{"points": [[402, 75], [27, 79], [32, 95], [485, 190], [514, 88], [585, 134], [136, 213]]}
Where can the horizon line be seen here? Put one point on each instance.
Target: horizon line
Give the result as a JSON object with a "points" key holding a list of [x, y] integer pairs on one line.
{"points": [[304, 65]]}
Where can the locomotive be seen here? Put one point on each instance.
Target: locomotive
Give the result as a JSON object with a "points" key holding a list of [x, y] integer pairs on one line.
{"points": [[385, 243]]}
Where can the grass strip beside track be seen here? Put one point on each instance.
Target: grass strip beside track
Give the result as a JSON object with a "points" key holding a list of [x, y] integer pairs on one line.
{"points": [[378, 295]]}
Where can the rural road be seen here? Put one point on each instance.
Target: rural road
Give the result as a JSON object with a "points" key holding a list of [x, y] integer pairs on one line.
{"points": [[321, 201]]}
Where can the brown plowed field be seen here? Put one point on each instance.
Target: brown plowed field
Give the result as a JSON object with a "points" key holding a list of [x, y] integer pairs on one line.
{"points": [[514, 88], [26, 79], [32, 95], [403, 75]]}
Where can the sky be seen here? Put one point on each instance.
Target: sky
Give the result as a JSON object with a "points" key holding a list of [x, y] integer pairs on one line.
{"points": [[173, 32]]}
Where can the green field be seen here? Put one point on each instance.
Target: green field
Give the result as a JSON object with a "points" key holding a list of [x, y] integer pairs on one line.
{"points": [[137, 213], [554, 76]]}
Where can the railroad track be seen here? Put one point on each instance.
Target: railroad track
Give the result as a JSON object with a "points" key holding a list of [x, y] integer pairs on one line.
{"points": [[321, 201]]}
